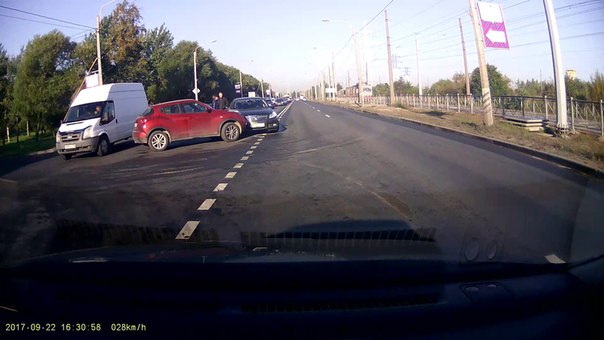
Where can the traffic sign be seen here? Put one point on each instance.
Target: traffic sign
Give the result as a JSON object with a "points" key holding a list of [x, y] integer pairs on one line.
{"points": [[493, 25]]}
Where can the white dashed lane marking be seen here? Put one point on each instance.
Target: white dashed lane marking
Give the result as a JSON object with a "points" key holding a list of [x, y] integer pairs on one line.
{"points": [[554, 259], [189, 227], [207, 204], [328, 116], [187, 230], [221, 186]]}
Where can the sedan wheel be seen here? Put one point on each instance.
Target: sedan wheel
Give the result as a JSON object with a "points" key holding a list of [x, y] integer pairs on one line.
{"points": [[230, 132], [158, 141]]}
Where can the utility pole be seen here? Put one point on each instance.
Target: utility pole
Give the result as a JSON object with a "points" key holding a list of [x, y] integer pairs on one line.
{"points": [[333, 74], [240, 83], [262, 88], [390, 76], [330, 80], [367, 72], [348, 79], [465, 59], [359, 72], [482, 64], [419, 74], [323, 86], [98, 41], [196, 89], [554, 39], [98, 49]]}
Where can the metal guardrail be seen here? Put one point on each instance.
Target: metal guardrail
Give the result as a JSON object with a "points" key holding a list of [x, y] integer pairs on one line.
{"points": [[582, 115]]}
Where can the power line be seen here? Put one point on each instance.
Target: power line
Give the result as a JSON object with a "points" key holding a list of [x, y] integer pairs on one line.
{"points": [[45, 17], [41, 22], [362, 28], [378, 13]]}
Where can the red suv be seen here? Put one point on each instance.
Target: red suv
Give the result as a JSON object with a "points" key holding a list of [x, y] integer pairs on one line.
{"points": [[166, 122]]}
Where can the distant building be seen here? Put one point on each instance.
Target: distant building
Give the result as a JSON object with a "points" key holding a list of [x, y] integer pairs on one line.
{"points": [[353, 90], [571, 74]]}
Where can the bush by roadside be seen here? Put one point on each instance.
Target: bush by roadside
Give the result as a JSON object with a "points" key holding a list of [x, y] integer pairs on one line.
{"points": [[26, 145]]}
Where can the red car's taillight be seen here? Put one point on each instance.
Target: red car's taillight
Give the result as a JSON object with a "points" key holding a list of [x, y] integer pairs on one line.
{"points": [[139, 123]]}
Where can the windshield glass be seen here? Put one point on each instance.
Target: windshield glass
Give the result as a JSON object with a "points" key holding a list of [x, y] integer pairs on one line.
{"points": [[358, 131], [248, 104], [147, 112], [84, 111]]}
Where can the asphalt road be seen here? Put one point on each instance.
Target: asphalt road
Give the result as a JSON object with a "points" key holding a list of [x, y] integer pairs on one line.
{"points": [[330, 174]]}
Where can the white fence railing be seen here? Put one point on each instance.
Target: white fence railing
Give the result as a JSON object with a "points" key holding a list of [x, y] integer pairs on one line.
{"points": [[582, 115]]}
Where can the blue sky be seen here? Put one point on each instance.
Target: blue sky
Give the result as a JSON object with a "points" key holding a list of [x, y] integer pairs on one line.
{"points": [[287, 44]]}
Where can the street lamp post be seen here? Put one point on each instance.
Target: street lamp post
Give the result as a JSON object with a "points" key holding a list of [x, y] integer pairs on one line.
{"points": [[196, 89], [356, 55], [241, 80], [98, 42]]}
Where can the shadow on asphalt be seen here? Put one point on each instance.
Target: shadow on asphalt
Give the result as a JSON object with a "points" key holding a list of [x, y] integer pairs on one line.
{"points": [[10, 164]]}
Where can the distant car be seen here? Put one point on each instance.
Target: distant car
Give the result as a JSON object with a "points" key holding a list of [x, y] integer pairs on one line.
{"points": [[258, 114], [279, 102], [270, 102], [164, 123]]}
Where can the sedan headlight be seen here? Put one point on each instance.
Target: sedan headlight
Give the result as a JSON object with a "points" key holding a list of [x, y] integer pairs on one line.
{"points": [[273, 115], [87, 133]]}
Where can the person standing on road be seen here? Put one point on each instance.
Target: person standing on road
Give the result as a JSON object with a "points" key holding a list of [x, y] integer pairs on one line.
{"points": [[223, 103], [215, 102]]}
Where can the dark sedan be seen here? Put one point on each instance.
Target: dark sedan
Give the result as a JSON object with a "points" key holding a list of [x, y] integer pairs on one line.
{"points": [[258, 114]]}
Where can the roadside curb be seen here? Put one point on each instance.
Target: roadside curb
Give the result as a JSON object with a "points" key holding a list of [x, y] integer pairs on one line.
{"points": [[43, 152], [540, 154]]}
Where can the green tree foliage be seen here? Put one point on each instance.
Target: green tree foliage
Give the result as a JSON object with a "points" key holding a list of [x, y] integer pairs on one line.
{"points": [[596, 91], [533, 88], [45, 80], [176, 73], [577, 88], [123, 45], [401, 88], [4, 90], [445, 86], [158, 43], [381, 90], [498, 83]]}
